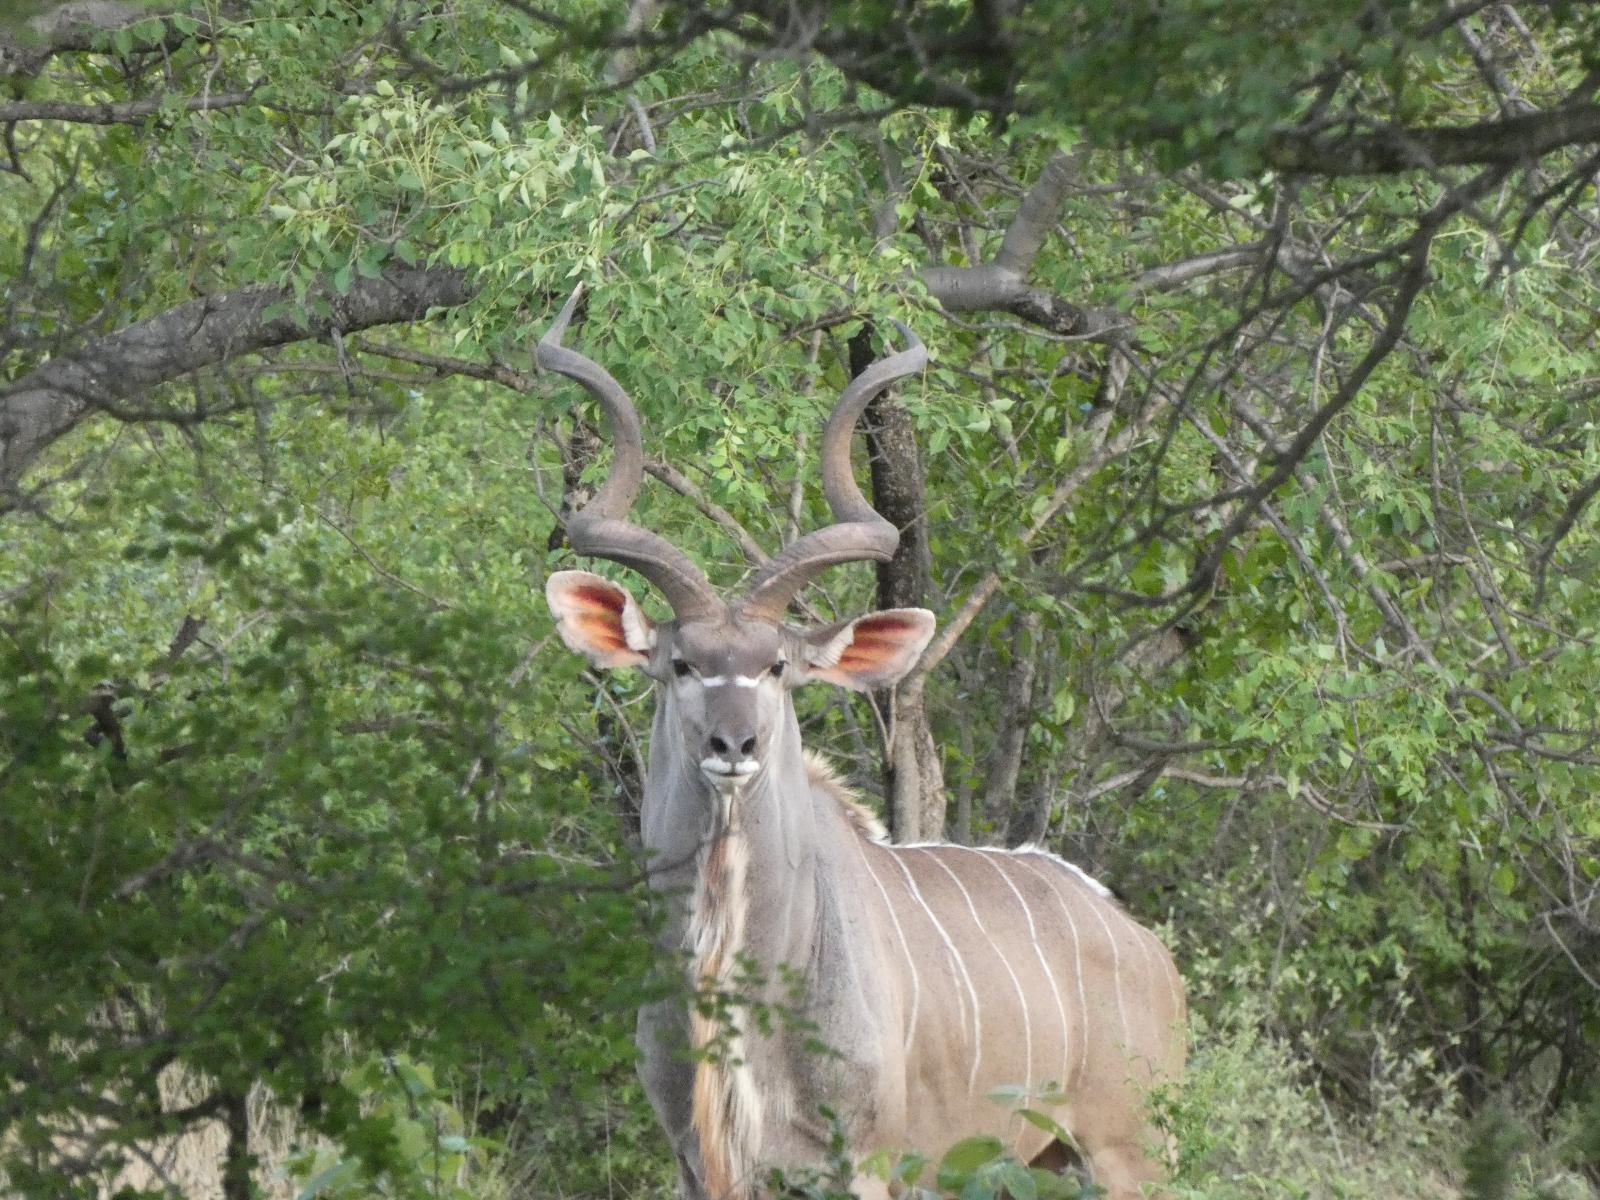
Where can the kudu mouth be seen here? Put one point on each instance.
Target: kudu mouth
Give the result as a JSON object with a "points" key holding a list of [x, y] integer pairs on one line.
{"points": [[724, 775]]}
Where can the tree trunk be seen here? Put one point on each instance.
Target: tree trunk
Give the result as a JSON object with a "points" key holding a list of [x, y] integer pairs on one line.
{"points": [[236, 1165], [913, 777], [1016, 717]]}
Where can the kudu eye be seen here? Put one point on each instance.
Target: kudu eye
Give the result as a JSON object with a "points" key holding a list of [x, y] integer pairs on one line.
{"points": [[681, 668], [776, 670]]}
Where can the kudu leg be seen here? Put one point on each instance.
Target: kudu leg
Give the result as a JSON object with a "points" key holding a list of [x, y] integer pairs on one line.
{"points": [[667, 1072]]}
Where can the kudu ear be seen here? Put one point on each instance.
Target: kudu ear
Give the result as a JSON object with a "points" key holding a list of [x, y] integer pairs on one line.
{"points": [[871, 651], [599, 619]]}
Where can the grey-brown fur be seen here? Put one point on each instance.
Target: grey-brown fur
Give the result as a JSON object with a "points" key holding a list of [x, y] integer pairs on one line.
{"points": [[932, 974]]}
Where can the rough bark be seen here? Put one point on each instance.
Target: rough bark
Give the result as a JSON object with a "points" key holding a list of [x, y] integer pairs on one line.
{"points": [[1016, 717], [913, 777], [108, 371]]}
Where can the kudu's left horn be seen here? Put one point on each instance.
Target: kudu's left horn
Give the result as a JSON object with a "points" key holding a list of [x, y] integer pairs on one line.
{"points": [[600, 529]]}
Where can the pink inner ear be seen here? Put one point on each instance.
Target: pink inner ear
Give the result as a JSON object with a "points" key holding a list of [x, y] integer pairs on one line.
{"points": [[877, 638], [594, 615], [601, 630], [592, 596]]}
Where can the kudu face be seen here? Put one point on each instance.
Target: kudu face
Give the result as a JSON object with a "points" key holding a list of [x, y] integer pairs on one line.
{"points": [[724, 671], [727, 684]]}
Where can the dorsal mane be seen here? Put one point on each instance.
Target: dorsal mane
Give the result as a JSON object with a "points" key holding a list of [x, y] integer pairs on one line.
{"points": [[824, 777]]}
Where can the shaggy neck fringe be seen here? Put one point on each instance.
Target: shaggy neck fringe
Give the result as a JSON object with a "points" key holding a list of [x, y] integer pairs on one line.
{"points": [[727, 1106]]}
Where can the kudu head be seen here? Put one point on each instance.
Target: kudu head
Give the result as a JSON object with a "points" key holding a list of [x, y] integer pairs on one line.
{"points": [[724, 670]]}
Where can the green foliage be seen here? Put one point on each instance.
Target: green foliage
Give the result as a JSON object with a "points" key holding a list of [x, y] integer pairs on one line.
{"points": [[1227, 84], [418, 1142], [372, 808]]}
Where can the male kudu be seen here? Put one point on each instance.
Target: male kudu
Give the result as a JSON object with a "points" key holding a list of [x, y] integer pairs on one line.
{"points": [[934, 973]]}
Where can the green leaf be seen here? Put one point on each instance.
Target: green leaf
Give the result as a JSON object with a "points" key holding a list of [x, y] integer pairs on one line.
{"points": [[965, 1157], [910, 1167], [326, 1181], [1046, 1122], [1008, 1094], [1017, 1180]]}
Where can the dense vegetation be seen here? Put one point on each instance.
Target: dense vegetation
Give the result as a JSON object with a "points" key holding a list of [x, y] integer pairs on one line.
{"points": [[1251, 484]]}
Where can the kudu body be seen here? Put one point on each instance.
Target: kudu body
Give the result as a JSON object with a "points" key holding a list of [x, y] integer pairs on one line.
{"points": [[932, 974]]}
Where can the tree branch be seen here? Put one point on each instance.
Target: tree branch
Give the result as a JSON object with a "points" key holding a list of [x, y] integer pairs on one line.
{"points": [[685, 487], [128, 113], [1175, 274], [1001, 285], [1569, 517], [1505, 141], [990, 288], [83, 25], [1035, 215], [50, 401], [1100, 450]]}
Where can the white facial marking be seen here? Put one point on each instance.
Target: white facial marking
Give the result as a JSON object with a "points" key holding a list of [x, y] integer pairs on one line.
{"points": [[724, 774], [745, 681], [713, 680]]}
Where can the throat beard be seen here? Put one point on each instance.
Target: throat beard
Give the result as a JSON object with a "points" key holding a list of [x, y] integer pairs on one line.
{"points": [[727, 1107]]}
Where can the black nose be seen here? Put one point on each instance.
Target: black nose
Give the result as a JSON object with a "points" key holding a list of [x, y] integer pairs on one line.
{"points": [[722, 746]]}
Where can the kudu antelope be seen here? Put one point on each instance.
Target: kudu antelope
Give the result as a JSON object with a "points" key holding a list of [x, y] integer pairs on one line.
{"points": [[933, 973]]}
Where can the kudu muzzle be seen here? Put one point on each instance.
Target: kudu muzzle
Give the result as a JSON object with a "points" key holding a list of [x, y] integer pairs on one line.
{"points": [[732, 745]]}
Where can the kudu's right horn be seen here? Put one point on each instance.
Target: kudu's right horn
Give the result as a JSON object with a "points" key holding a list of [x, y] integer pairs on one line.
{"points": [[858, 531]]}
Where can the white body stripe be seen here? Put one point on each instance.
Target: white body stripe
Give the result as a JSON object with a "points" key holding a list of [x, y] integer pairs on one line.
{"points": [[977, 1021], [905, 947], [1022, 1000], [1033, 938], [1077, 958], [1116, 969], [1158, 955]]}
